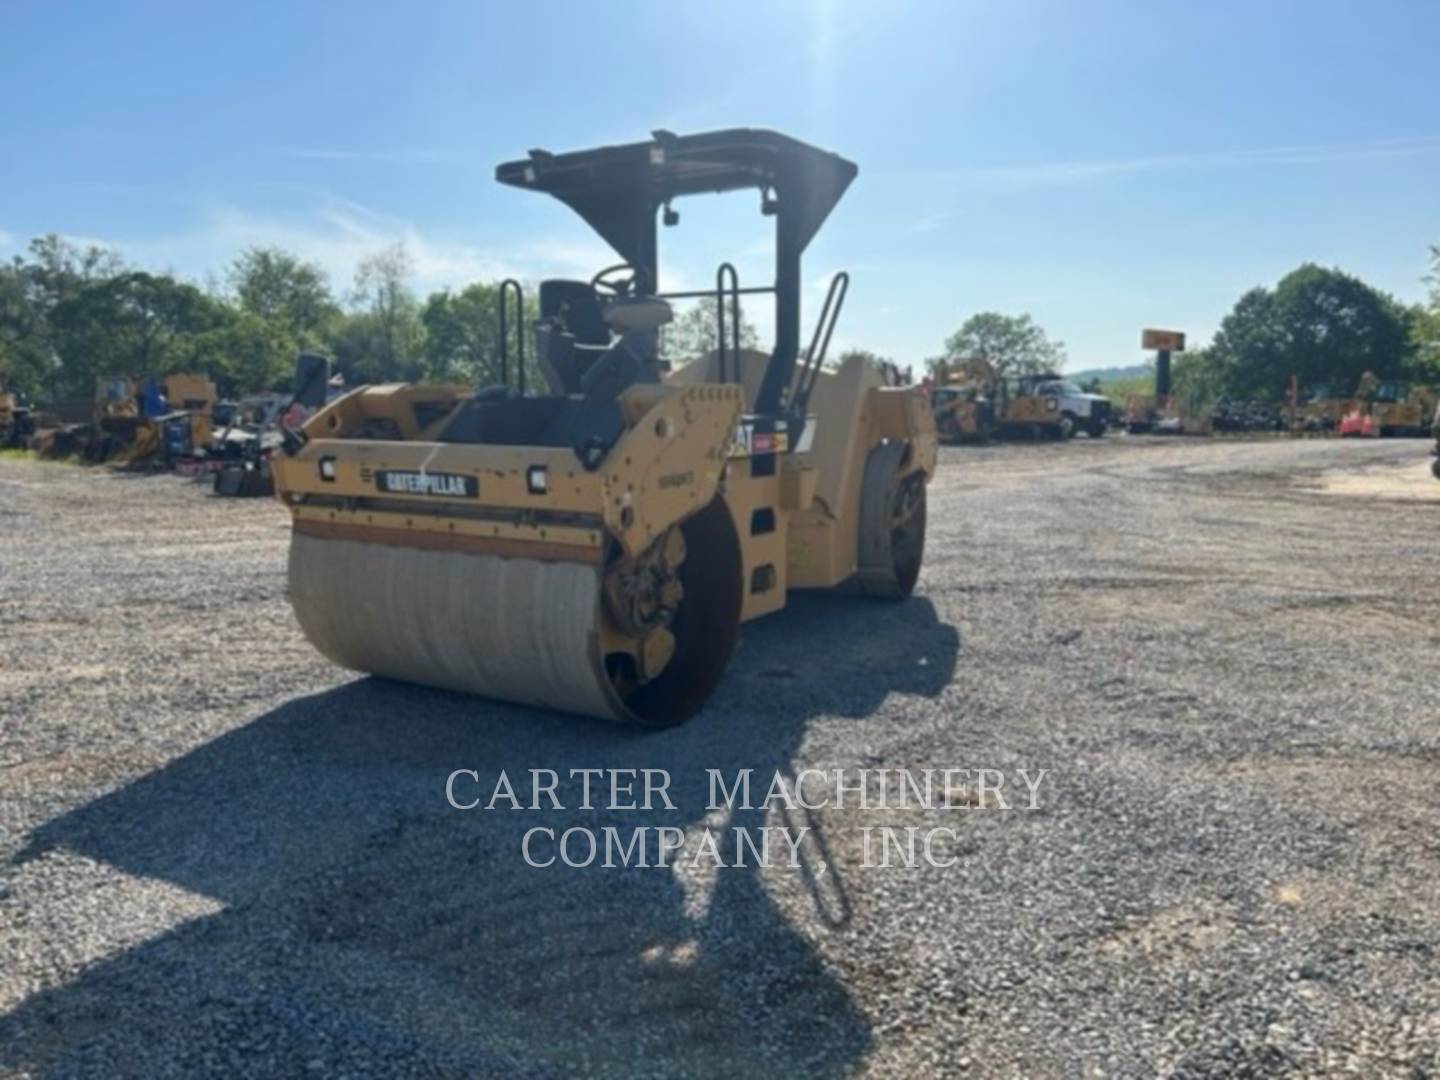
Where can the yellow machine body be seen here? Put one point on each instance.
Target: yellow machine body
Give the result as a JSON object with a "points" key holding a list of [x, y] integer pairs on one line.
{"points": [[593, 545], [1398, 410], [1377, 409], [961, 415], [196, 395], [514, 572], [1322, 412]]}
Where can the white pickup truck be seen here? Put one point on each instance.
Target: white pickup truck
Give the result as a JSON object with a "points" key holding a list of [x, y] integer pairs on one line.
{"points": [[1074, 410]]}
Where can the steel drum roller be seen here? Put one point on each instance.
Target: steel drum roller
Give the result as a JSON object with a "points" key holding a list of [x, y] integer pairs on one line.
{"points": [[521, 630]]}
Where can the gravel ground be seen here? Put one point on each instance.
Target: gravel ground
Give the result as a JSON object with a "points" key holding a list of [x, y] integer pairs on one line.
{"points": [[220, 853]]}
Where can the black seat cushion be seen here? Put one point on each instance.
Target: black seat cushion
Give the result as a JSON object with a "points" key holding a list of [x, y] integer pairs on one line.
{"points": [[577, 307]]}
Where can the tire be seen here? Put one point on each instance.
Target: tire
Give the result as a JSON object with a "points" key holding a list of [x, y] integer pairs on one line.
{"points": [[1067, 426], [1097, 429], [1435, 468], [230, 480], [892, 524]]}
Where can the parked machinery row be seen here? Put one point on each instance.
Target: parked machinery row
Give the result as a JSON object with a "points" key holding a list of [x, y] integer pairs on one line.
{"points": [[972, 402], [138, 422]]}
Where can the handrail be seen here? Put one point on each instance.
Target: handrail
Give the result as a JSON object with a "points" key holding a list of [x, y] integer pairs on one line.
{"points": [[700, 294], [727, 270], [820, 345], [507, 287]]}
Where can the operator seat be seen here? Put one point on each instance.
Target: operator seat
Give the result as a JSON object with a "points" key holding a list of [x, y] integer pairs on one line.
{"points": [[570, 335], [577, 307]]}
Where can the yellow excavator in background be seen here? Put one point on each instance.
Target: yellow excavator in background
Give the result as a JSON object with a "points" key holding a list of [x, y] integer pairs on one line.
{"points": [[1322, 411], [960, 402], [136, 423], [195, 396], [1397, 410], [593, 545], [1387, 409]]}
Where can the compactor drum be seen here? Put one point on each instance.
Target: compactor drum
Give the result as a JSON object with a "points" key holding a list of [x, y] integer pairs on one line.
{"points": [[595, 545]]}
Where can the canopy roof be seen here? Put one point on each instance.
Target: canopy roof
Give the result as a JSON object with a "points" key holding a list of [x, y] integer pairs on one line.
{"points": [[617, 189]]}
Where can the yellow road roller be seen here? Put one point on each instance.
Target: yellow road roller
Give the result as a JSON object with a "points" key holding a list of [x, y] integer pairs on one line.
{"points": [[593, 544]]}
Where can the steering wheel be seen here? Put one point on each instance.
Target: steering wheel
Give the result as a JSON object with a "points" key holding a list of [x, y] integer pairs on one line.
{"points": [[621, 286]]}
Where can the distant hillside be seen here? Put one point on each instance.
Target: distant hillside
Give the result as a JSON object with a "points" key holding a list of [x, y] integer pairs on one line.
{"points": [[1111, 374]]}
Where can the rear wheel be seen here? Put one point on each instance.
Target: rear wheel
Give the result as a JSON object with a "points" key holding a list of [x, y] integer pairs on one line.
{"points": [[1067, 426], [892, 523]]}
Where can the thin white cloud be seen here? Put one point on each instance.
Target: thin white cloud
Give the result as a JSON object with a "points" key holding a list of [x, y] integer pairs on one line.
{"points": [[1257, 157], [336, 234], [1059, 173]]}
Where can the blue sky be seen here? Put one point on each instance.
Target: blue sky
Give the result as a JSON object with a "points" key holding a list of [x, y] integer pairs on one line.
{"points": [[1103, 166]]}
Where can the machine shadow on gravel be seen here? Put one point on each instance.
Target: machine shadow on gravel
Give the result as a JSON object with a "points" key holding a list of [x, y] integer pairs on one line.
{"points": [[363, 912]]}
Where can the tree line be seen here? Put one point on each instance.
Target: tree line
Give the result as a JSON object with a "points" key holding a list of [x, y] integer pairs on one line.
{"points": [[72, 313], [1320, 325]]}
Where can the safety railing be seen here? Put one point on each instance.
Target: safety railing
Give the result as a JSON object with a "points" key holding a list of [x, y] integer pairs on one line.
{"points": [[727, 348], [820, 341], [508, 288]]}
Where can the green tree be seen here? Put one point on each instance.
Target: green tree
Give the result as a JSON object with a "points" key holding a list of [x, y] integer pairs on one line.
{"points": [[1118, 390], [1197, 379], [864, 354], [870, 357], [381, 340], [280, 288], [462, 335], [1425, 328], [32, 287], [1011, 344], [26, 356], [1320, 325], [246, 354], [135, 324], [695, 333]]}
